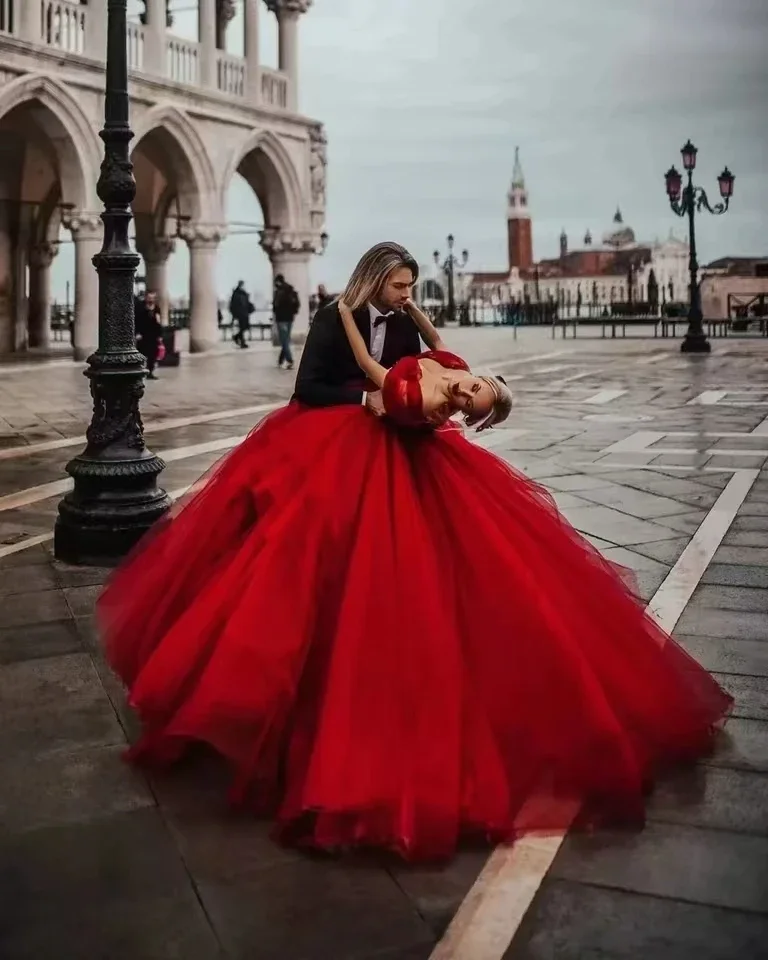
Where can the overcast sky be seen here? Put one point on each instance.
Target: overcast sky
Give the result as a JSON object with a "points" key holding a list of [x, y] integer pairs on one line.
{"points": [[425, 100]]}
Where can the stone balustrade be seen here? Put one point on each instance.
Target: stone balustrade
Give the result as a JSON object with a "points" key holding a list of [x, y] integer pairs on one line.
{"points": [[67, 26], [135, 47], [183, 61], [230, 74]]}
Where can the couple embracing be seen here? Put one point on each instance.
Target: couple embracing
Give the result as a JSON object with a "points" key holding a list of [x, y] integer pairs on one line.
{"points": [[393, 637]]}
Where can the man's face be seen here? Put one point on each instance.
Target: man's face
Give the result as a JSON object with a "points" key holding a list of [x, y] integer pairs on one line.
{"points": [[151, 299], [397, 289]]}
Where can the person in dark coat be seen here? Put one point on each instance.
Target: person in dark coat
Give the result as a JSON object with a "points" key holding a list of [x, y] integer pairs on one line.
{"points": [[241, 308], [286, 305], [149, 330]]}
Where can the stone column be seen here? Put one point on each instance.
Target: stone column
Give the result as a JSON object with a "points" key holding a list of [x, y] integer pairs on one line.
{"points": [[154, 38], [203, 242], [39, 314], [289, 254], [206, 30], [96, 31], [156, 255], [86, 232], [288, 13], [29, 24], [7, 285], [251, 44], [225, 13]]}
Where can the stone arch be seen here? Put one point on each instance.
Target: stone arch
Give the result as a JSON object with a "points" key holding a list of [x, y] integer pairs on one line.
{"points": [[266, 165], [173, 143], [68, 129]]}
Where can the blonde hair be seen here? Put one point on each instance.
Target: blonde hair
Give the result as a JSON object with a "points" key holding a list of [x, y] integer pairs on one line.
{"points": [[372, 270], [502, 405]]}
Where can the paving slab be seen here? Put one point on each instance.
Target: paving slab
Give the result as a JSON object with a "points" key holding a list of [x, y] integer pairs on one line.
{"points": [[578, 921]]}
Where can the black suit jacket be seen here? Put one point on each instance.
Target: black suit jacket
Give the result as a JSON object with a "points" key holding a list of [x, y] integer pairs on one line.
{"points": [[328, 373]]}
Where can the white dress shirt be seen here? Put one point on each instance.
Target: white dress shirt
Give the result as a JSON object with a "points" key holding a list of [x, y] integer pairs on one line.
{"points": [[378, 335]]}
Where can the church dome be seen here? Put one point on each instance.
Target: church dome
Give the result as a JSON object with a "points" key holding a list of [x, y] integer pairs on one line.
{"points": [[619, 234]]}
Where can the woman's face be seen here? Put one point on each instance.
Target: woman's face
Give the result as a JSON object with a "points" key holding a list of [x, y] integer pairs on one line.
{"points": [[473, 396], [463, 392]]}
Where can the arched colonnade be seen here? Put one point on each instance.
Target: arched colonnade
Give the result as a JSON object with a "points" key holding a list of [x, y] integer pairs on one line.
{"points": [[50, 155]]}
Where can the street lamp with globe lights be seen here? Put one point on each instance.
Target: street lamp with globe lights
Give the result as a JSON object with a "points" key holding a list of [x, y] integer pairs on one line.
{"points": [[687, 201], [449, 267]]}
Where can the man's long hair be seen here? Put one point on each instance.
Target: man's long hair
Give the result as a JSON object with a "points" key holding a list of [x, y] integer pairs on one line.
{"points": [[372, 270]]}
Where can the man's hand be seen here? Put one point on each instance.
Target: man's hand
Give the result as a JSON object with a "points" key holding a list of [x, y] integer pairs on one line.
{"points": [[374, 403]]}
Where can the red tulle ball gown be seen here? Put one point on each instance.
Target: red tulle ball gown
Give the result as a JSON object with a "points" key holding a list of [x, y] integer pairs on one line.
{"points": [[397, 641]]}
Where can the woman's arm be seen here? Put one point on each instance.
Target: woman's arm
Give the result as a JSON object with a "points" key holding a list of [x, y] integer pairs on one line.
{"points": [[373, 370], [429, 334]]}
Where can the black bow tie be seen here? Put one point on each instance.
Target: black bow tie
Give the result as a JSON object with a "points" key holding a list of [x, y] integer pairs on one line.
{"points": [[383, 318]]}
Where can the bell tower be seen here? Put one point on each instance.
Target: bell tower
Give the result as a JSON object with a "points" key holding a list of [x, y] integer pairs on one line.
{"points": [[519, 236]]}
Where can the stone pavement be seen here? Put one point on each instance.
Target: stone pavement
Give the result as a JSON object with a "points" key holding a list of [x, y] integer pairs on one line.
{"points": [[652, 455]]}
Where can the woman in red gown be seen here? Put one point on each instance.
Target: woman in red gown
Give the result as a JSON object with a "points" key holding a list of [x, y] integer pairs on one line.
{"points": [[394, 637]]}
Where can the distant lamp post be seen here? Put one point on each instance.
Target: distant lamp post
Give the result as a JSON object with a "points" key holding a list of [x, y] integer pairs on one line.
{"points": [[323, 241], [449, 267], [116, 498], [687, 201]]}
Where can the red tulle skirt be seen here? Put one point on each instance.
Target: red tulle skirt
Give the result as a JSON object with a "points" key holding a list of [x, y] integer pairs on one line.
{"points": [[397, 641]]}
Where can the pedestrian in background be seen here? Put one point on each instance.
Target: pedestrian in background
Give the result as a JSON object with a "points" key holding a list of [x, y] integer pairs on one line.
{"points": [[285, 305]]}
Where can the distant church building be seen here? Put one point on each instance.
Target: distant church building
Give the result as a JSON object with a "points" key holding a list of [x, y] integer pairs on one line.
{"points": [[618, 269]]}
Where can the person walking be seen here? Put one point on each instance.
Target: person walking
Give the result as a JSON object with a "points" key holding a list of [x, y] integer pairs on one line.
{"points": [[285, 305], [241, 308]]}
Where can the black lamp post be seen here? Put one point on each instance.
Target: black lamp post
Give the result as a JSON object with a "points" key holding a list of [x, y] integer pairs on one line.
{"points": [[687, 202], [116, 498], [449, 267]]}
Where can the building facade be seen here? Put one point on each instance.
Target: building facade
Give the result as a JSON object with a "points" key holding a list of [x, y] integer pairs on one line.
{"points": [[199, 114], [617, 269], [735, 288]]}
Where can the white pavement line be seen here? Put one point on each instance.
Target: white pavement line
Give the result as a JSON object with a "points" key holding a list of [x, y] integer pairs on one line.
{"points": [[575, 376], [558, 366], [44, 491], [653, 358], [24, 544], [661, 467], [10, 368], [530, 359], [605, 396], [689, 451], [155, 426], [45, 537], [761, 430], [493, 910], [708, 398], [635, 442], [671, 599]]}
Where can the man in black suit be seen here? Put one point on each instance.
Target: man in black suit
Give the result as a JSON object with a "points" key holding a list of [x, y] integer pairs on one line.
{"points": [[377, 291]]}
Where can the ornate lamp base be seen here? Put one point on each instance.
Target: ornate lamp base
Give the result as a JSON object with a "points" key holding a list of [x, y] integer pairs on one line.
{"points": [[101, 520], [695, 343], [116, 498]]}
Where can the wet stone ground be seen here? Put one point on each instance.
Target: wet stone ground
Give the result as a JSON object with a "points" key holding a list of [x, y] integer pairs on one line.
{"points": [[637, 443]]}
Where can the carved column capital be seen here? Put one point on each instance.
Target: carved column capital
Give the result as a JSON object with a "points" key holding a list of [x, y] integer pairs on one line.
{"points": [[276, 242], [293, 8], [82, 225], [203, 234], [318, 163], [42, 255], [158, 249], [226, 10]]}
